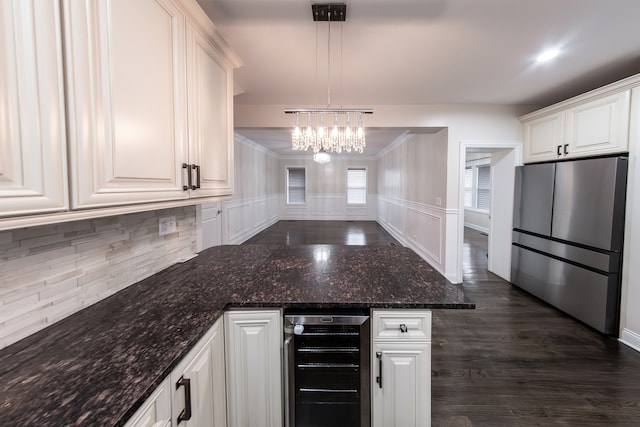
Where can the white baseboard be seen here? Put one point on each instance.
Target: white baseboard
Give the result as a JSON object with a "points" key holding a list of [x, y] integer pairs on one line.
{"points": [[631, 339], [477, 228]]}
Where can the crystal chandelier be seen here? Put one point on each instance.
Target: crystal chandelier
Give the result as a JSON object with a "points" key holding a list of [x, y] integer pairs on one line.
{"points": [[329, 129], [321, 157]]}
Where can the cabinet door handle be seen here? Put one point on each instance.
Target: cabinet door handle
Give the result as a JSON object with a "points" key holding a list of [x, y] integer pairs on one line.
{"points": [[379, 377], [185, 415], [403, 328], [197, 168], [565, 149], [558, 151], [188, 168]]}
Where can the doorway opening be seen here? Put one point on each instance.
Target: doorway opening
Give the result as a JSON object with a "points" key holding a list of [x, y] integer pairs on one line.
{"points": [[491, 205]]}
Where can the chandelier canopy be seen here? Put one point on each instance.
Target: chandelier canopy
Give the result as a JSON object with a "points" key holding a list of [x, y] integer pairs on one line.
{"points": [[330, 129]]}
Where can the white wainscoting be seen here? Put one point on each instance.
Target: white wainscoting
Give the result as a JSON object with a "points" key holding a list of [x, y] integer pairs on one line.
{"points": [[417, 226], [630, 338], [329, 207], [245, 218]]}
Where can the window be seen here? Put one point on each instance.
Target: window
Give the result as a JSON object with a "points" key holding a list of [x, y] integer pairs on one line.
{"points": [[356, 186], [477, 187], [296, 186], [468, 187], [483, 188]]}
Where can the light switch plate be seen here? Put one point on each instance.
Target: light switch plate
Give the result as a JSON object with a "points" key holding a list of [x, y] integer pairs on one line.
{"points": [[166, 225]]}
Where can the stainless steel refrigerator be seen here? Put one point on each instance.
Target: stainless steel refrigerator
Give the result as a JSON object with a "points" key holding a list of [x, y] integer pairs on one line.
{"points": [[568, 230]]}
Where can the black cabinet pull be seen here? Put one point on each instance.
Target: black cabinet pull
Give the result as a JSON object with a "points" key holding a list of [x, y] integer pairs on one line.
{"points": [[185, 415], [379, 377], [197, 168], [188, 168], [558, 151], [565, 148], [403, 328]]}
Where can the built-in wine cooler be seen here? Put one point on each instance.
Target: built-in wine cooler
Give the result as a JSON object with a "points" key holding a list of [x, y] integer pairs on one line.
{"points": [[327, 369]]}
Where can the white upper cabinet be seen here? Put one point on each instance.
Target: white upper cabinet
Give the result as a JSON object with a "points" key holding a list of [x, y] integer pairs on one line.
{"points": [[32, 124], [596, 123], [126, 101], [543, 136], [600, 126], [136, 96], [210, 93]]}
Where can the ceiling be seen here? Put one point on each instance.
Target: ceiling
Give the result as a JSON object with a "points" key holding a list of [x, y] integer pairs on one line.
{"points": [[410, 52]]}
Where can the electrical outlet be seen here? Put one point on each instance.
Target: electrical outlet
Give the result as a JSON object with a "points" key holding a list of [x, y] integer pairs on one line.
{"points": [[166, 225]]}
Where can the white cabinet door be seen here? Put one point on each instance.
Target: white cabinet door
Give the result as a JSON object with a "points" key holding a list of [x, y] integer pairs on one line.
{"points": [[600, 126], [197, 383], [219, 375], [156, 411], [402, 397], [595, 126], [254, 368], [126, 101], [544, 138], [210, 91], [32, 114]]}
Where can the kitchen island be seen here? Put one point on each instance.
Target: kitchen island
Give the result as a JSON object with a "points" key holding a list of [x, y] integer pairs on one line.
{"points": [[97, 366]]}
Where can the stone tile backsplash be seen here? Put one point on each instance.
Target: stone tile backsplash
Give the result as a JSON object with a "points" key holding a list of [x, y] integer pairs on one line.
{"points": [[49, 272]]}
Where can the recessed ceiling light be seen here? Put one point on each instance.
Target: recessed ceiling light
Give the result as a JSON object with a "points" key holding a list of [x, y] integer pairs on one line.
{"points": [[547, 55]]}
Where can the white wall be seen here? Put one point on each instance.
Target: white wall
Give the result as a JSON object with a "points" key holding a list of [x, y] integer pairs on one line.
{"points": [[476, 220], [256, 198], [412, 188], [630, 312], [326, 191], [52, 271]]}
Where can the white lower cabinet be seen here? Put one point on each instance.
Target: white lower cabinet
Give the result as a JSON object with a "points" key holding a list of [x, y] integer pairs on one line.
{"points": [[194, 395], [198, 396], [254, 368], [156, 411], [401, 368]]}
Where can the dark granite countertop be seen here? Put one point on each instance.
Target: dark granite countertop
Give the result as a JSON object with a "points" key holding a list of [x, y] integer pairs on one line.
{"points": [[97, 366]]}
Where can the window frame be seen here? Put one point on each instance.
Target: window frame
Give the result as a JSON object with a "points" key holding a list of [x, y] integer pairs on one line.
{"points": [[475, 188], [287, 187], [365, 187]]}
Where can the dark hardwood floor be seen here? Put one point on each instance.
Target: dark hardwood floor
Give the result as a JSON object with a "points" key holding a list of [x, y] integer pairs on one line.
{"points": [[514, 360], [324, 233]]}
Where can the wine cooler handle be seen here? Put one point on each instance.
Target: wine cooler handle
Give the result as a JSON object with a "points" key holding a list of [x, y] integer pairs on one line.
{"points": [[379, 377], [185, 415]]}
